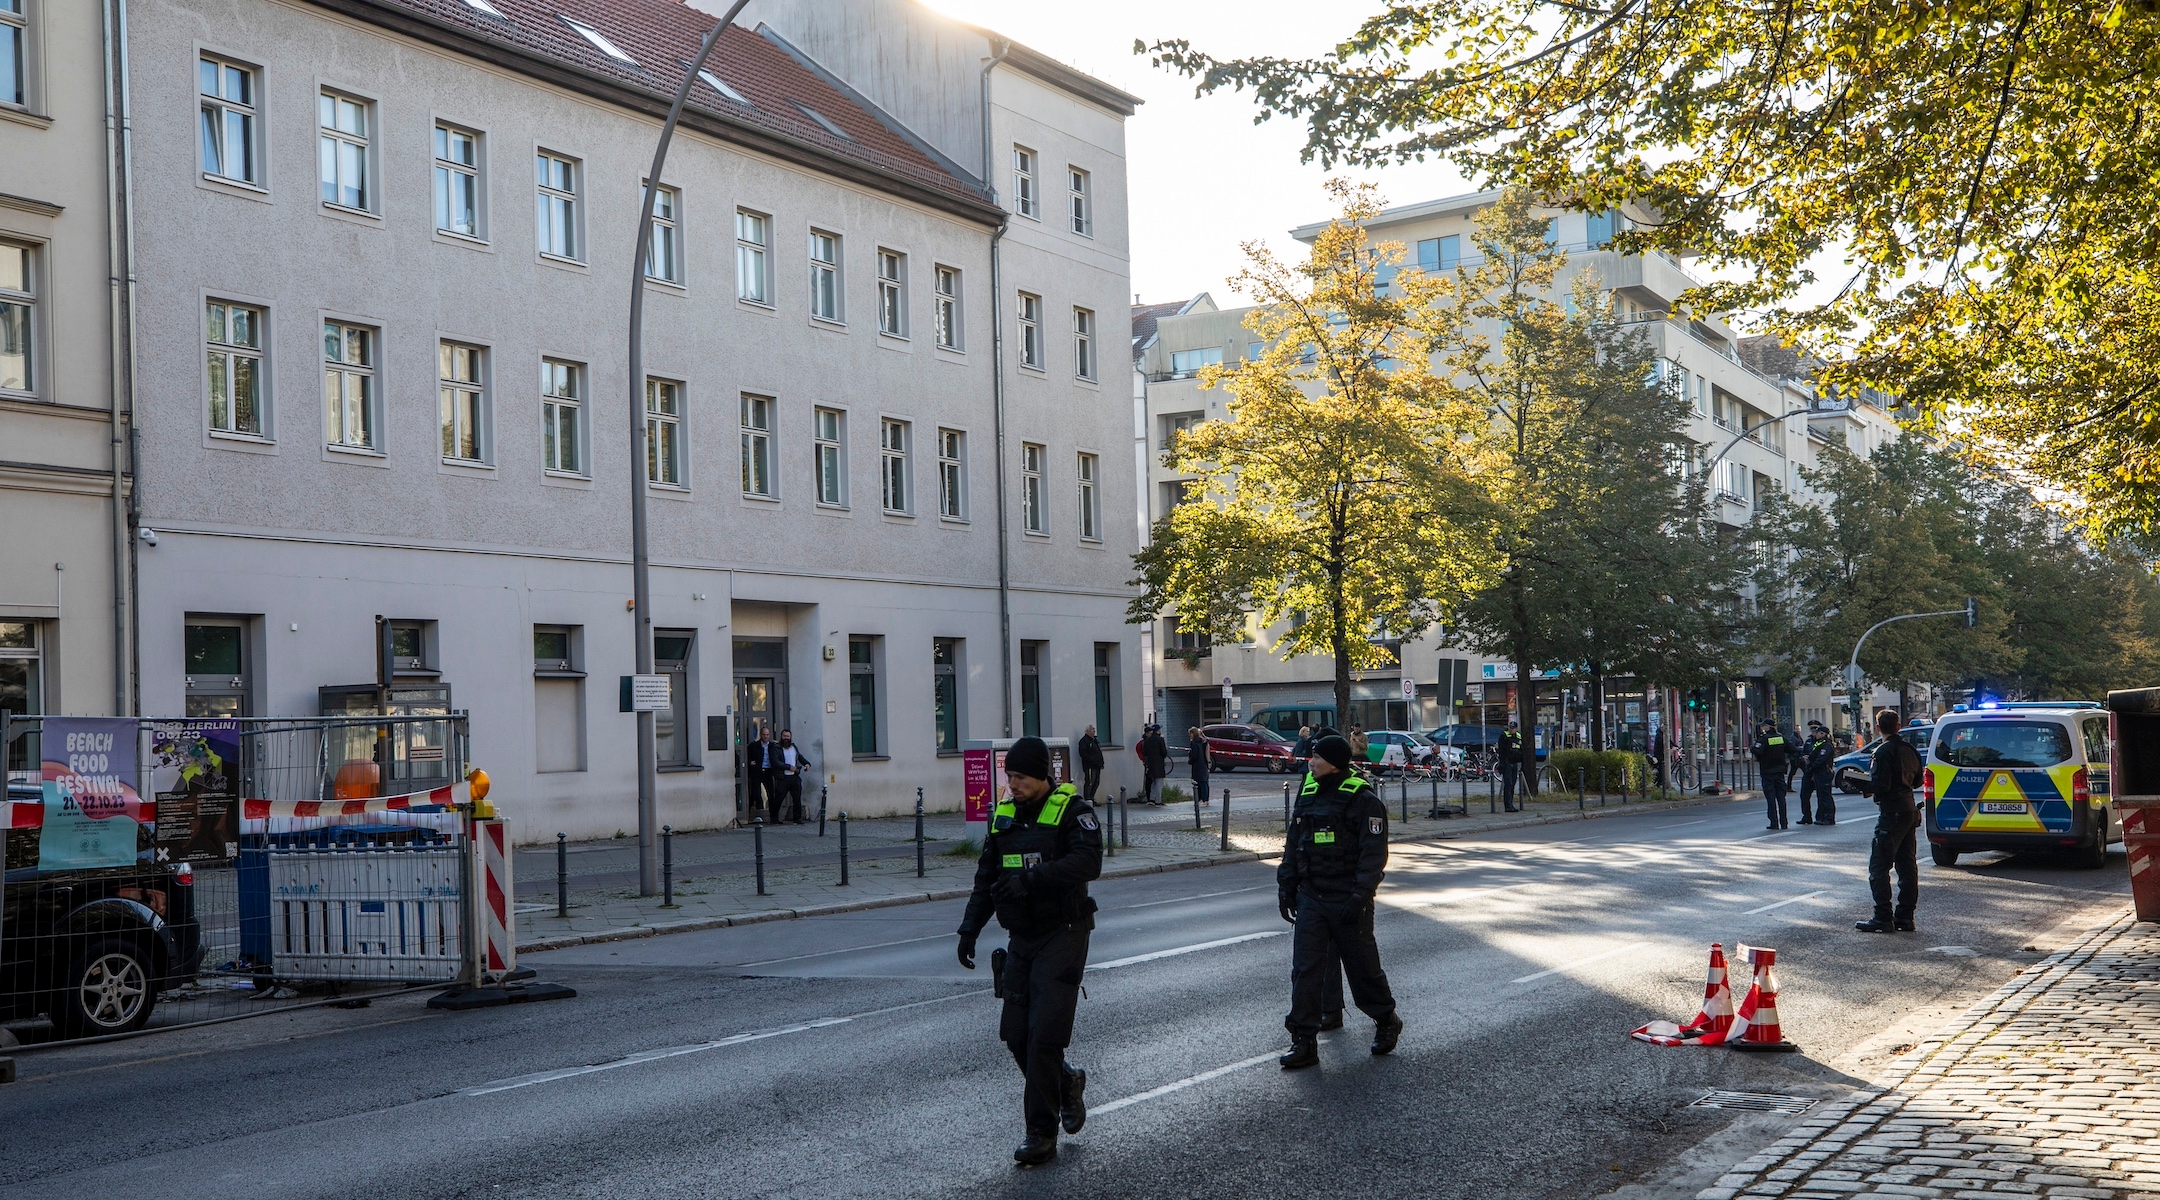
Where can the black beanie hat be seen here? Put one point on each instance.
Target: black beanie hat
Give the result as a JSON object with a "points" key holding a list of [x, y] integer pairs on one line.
{"points": [[1335, 749], [1029, 756]]}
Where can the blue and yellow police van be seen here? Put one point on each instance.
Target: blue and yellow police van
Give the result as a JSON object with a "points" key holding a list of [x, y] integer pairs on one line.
{"points": [[2020, 776]]}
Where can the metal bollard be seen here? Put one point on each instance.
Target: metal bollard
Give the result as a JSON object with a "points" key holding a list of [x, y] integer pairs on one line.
{"points": [[1124, 804], [667, 866], [757, 844], [1601, 785], [1578, 789], [1108, 817], [1466, 793], [821, 796], [562, 875], [1226, 818], [1286, 809], [918, 834], [1404, 788], [1492, 791], [843, 847], [1197, 826]]}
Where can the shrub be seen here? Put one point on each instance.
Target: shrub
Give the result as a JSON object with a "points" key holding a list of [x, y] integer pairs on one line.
{"points": [[1173, 794], [1625, 770]]}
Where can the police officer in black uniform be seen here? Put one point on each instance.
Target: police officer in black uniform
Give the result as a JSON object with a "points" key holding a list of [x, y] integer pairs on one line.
{"points": [[1042, 849], [1896, 771], [1510, 765], [1818, 754], [1770, 757], [1332, 863]]}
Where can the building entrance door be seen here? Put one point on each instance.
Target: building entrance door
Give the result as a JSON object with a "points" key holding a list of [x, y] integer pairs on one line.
{"points": [[760, 705]]}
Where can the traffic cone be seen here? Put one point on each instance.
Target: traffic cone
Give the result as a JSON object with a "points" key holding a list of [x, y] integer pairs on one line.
{"points": [[1756, 1025], [1709, 1026]]}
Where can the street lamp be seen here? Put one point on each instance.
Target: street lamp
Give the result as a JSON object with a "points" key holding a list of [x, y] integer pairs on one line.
{"points": [[640, 565], [1970, 612], [1763, 424]]}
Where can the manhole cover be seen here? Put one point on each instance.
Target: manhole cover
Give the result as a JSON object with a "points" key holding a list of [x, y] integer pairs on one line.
{"points": [[1756, 1102]]}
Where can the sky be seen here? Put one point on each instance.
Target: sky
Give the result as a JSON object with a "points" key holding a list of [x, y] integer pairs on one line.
{"points": [[1203, 177]]}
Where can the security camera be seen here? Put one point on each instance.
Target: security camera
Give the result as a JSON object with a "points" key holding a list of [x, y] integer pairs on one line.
{"points": [[148, 536]]}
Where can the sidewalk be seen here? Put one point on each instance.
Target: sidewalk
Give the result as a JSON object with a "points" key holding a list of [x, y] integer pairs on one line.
{"points": [[716, 874], [2050, 1087]]}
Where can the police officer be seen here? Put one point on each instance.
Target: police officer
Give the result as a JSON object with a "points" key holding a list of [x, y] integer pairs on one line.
{"points": [[1817, 755], [1510, 764], [1770, 757], [1896, 772], [1332, 863], [1042, 849]]}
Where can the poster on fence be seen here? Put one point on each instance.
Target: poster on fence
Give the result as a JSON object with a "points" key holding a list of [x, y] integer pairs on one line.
{"points": [[195, 774], [94, 811]]}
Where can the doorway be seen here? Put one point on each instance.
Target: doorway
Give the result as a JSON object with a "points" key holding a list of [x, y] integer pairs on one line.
{"points": [[760, 703]]}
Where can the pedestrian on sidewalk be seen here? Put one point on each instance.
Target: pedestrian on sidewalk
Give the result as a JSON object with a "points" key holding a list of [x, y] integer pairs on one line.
{"points": [[790, 767], [1772, 766], [1303, 749], [1196, 762], [1510, 764], [1042, 849], [1091, 764], [1895, 773], [761, 774], [1154, 763], [1817, 756], [1333, 858]]}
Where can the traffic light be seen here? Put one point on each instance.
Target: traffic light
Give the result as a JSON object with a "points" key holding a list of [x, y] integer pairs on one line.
{"points": [[1696, 701]]}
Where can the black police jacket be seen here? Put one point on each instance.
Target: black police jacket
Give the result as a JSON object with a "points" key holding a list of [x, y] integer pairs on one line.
{"points": [[1896, 772], [1770, 750], [1817, 755], [1052, 849], [1338, 841]]}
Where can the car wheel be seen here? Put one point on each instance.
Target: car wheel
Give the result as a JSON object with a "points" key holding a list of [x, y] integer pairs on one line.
{"points": [[2091, 854], [108, 990], [1943, 855]]}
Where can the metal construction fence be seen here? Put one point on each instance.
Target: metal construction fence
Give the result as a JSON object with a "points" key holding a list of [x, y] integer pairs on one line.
{"points": [[171, 871]]}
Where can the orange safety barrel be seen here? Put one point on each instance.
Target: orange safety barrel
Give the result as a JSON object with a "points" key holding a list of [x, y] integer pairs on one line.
{"points": [[358, 779]]}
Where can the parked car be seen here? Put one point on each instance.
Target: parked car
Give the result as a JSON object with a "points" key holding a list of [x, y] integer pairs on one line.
{"points": [[1234, 746], [1390, 749], [1477, 739], [1916, 734], [91, 949], [1288, 719]]}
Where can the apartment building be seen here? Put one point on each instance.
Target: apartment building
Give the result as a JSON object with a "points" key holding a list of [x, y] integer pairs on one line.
{"points": [[386, 257]]}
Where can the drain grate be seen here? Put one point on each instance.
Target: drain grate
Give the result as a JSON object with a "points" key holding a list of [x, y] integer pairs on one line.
{"points": [[1791, 1106]]}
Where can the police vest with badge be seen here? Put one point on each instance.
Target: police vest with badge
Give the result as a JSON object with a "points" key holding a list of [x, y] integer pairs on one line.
{"points": [[1023, 844], [1329, 832]]}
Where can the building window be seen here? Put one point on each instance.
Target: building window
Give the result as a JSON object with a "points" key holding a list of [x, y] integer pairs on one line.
{"points": [[1189, 362], [457, 181], [945, 692], [1031, 687], [753, 236], [1031, 338], [1090, 499], [948, 308], [1081, 210], [1439, 254], [862, 695], [757, 475], [663, 254], [349, 385], [893, 465], [14, 54], [1106, 690], [1032, 518], [22, 684], [663, 433], [558, 699], [228, 121], [1084, 343], [1180, 640], [344, 151], [831, 459], [215, 666], [1178, 423], [556, 201], [892, 293], [562, 403], [18, 307], [952, 474], [1025, 200], [236, 368], [463, 398], [824, 275]]}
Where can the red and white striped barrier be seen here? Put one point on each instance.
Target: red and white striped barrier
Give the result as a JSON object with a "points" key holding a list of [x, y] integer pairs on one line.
{"points": [[498, 943], [1755, 1026], [1711, 1025], [457, 795]]}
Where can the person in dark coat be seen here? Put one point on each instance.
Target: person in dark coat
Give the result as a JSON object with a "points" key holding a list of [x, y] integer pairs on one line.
{"points": [[1196, 762], [1771, 757], [1303, 749], [1334, 856], [1091, 765], [1893, 775], [1816, 760], [1510, 765], [1155, 763]]}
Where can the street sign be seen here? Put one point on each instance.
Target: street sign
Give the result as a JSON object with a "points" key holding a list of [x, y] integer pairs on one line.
{"points": [[1227, 694], [645, 693], [1409, 688]]}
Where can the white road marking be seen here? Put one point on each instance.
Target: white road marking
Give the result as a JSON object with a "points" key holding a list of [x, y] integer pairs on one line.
{"points": [[1782, 903], [1582, 962], [1200, 896], [766, 962], [1189, 1081], [1172, 953]]}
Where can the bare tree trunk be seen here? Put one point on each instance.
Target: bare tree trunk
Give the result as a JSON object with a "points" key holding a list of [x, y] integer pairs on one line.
{"points": [[1597, 706], [1526, 717]]}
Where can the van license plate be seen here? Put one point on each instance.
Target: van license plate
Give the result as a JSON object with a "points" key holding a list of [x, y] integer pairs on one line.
{"points": [[2005, 807]]}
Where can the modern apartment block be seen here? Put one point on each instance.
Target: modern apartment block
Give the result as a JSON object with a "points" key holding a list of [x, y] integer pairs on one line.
{"points": [[385, 258]]}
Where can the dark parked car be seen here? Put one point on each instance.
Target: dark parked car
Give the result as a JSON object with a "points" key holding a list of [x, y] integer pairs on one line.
{"points": [[1234, 746], [1476, 739], [91, 949], [1917, 735]]}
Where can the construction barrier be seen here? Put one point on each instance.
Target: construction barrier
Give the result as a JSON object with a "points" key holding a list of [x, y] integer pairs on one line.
{"points": [[1753, 1026]]}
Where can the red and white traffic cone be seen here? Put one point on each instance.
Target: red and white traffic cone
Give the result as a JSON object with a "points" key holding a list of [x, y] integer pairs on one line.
{"points": [[1709, 1026], [1755, 1027]]}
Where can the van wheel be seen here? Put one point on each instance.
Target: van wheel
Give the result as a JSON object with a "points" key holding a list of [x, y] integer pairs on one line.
{"points": [[1943, 855], [107, 990], [2091, 854]]}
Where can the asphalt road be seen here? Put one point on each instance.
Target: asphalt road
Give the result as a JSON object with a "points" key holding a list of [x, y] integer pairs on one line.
{"points": [[850, 1056]]}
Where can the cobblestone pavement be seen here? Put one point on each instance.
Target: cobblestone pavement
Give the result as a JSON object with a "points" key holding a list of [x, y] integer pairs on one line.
{"points": [[2049, 1087]]}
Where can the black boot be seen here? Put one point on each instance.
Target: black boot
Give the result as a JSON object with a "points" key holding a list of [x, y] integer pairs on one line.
{"points": [[1873, 925], [1386, 1034], [1072, 1110], [1304, 1052], [1035, 1151], [1330, 1021], [1903, 924]]}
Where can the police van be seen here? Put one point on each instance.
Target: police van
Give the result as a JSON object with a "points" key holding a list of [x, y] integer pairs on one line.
{"points": [[2020, 777]]}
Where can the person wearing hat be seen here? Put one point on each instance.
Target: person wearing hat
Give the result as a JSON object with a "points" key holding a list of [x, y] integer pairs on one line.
{"points": [[1510, 764], [1333, 858], [1042, 849], [1770, 757], [1818, 756]]}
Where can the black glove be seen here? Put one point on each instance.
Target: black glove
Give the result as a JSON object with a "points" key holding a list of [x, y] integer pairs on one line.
{"points": [[967, 951], [1287, 905], [1011, 887]]}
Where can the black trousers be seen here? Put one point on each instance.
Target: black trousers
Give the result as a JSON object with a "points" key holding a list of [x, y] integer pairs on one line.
{"points": [[1773, 794], [1092, 780], [1896, 847], [1332, 932], [1825, 809], [1507, 784], [786, 787], [1042, 995], [1199, 783]]}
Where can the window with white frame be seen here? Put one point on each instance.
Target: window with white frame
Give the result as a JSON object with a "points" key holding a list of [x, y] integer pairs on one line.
{"points": [[22, 684], [457, 181], [229, 112], [1084, 343], [1090, 498], [829, 448], [948, 307], [349, 385], [14, 54], [824, 275], [555, 200], [757, 448], [663, 253], [663, 433], [562, 416], [1032, 517], [893, 465], [1026, 201], [891, 292], [344, 151], [753, 242], [235, 348], [952, 474], [464, 402], [1031, 335], [18, 317], [600, 42], [1079, 206]]}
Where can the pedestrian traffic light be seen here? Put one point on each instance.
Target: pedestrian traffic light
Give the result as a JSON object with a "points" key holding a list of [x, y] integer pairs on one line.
{"points": [[1695, 701]]}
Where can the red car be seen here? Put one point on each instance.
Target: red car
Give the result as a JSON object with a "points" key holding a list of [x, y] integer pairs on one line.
{"points": [[1234, 746]]}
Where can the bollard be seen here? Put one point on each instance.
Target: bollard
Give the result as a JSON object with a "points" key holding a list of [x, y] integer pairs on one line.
{"points": [[562, 875], [1226, 818], [1124, 804], [1286, 809], [918, 834], [757, 844], [1492, 791], [843, 847], [1601, 785], [667, 866], [1435, 781], [821, 795], [1405, 790], [1197, 826], [1109, 826], [1578, 789], [1466, 793]]}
